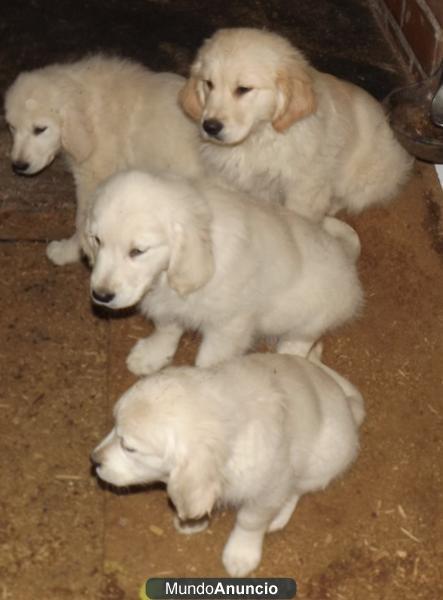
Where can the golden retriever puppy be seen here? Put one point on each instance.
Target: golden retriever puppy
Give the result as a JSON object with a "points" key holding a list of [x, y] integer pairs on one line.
{"points": [[257, 432], [274, 126], [205, 258], [104, 114]]}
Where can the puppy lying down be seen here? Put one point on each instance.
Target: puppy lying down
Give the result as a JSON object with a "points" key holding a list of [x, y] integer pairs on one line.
{"points": [[201, 257], [257, 432]]}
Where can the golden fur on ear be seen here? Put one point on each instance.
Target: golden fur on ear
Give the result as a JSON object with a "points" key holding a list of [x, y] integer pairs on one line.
{"points": [[76, 135], [191, 264], [194, 484], [298, 100], [189, 100]]}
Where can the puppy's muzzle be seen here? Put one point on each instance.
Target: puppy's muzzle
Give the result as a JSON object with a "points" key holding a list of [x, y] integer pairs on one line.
{"points": [[102, 296], [20, 167], [212, 127]]}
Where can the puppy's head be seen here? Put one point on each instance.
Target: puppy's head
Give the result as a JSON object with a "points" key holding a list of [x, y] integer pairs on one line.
{"points": [[242, 78], [136, 451], [43, 115], [143, 228], [34, 124], [160, 435]]}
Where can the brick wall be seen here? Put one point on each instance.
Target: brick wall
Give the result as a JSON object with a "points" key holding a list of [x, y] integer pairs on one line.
{"points": [[416, 29]]}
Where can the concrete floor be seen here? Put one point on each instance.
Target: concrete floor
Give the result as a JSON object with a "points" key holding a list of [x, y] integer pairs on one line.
{"points": [[374, 534]]}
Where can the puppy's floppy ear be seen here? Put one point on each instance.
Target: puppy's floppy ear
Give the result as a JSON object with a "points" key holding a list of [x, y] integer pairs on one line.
{"points": [[191, 264], [189, 99], [296, 97], [76, 134], [194, 483]]}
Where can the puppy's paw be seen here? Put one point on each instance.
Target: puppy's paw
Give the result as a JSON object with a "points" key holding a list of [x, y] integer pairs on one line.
{"points": [[190, 527], [316, 352], [240, 557], [63, 252], [146, 358], [295, 347]]}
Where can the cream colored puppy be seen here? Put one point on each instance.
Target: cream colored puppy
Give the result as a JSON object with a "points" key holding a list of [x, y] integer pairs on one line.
{"points": [[195, 256], [104, 114], [274, 126], [257, 432]]}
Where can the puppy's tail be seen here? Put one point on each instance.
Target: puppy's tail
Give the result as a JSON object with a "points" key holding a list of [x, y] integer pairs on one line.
{"points": [[345, 234], [356, 403]]}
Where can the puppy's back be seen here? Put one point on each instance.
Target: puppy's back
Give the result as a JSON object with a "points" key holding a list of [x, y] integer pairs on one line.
{"points": [[136, 117], [323, 411]]}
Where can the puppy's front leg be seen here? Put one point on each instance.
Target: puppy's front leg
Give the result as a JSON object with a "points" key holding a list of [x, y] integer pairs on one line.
{"points": [[223, 342], [243, 550], [155, 352], [64, 252]]}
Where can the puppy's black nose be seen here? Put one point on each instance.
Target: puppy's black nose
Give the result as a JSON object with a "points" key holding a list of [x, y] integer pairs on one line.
{"points": [[102, 297], [212, 126], [20, 166]]}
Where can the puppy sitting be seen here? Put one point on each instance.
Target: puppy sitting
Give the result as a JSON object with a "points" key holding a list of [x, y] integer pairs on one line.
{"points": [[257, 432], [104, 114], [275, 127], [200, 257]]}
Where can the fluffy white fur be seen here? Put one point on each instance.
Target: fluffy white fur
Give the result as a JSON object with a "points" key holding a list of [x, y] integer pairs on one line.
{"points": [[257, 433], [275, 127], [104, 114], [201, 257]]}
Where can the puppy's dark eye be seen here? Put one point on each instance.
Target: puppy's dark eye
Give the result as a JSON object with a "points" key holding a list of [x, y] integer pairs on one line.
{"points": [[96, 240], [125, 447], [209, 84], [136, 252], [38, 130], [242, 90]]}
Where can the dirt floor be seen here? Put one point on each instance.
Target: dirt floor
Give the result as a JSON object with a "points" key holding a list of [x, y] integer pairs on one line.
{"points": [[376, 533]]}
